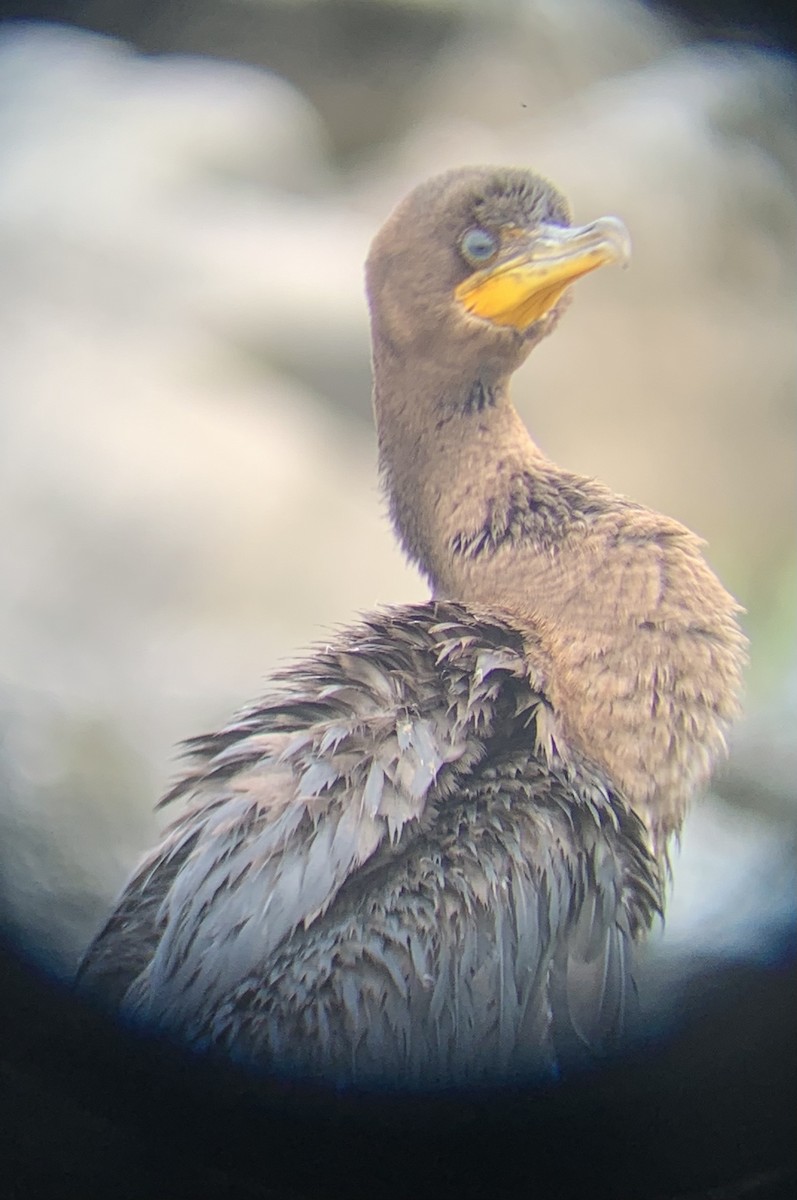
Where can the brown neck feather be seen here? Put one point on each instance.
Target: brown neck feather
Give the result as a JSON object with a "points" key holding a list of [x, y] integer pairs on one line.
{"points": [[642, 655]]}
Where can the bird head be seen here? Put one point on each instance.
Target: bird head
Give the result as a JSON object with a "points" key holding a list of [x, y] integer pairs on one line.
{"points": [[474, 267]]}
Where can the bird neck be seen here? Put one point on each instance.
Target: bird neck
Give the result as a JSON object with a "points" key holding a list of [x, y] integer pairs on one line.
{"points": [[631, 635], [446, 452]]}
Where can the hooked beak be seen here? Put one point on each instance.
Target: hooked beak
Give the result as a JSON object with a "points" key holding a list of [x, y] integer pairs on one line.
{"points": [[524, 288]]}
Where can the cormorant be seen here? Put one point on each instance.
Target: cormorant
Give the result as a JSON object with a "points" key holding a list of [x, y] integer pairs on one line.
{"points": [[425, 855]]}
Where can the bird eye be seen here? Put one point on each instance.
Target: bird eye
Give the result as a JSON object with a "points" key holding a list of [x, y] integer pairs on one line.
{"points": [[478, 246]]}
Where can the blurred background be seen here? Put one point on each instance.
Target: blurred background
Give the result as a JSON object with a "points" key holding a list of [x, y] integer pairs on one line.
{"points": [[188, 493]]}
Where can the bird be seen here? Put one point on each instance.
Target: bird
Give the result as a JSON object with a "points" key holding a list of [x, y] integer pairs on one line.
{"points": [[426, 854]]}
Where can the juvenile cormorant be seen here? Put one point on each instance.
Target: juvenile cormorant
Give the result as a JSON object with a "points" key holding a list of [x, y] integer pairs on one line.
{"points": [[425, 855]]}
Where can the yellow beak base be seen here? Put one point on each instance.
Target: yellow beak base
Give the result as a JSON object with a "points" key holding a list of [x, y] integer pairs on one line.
{"points": [[523, 289]]}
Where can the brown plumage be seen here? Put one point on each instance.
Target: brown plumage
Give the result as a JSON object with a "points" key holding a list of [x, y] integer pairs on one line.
{"points": [[425, 856]]}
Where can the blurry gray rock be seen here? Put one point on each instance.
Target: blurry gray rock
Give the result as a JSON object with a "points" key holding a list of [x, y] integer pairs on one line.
{"points": [[174, 516], [187, 470]]}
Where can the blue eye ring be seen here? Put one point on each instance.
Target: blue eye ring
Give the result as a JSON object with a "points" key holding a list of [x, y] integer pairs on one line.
{"points": [[478, 246]]}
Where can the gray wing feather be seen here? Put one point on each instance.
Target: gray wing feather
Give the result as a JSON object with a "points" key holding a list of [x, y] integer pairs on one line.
{"points": [[388, 866]]}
